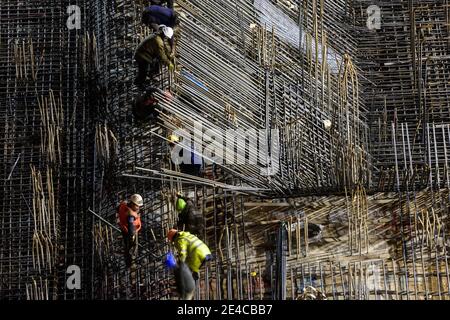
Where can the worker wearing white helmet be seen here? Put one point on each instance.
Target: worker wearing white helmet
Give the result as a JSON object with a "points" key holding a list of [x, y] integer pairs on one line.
{"points": [[167, 31], [129, 221], [153, 51]]}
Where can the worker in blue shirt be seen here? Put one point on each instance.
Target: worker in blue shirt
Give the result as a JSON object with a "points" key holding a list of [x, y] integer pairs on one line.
{"points": [[161, 2], [155, 16]]}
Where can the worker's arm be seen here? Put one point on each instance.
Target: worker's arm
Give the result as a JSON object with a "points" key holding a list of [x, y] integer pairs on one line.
{"points": [[118, 215], [171, 47], [162, 52], [182, 247], [131, 228]]}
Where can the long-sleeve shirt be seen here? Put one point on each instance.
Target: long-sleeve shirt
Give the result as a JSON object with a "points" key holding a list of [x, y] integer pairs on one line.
{"points": [[191, 250], [154, 47], [131, 227], [159, 15]]}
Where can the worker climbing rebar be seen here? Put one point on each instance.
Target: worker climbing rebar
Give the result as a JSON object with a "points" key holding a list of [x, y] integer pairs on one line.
{"points": [[169, 3], [129, 221], [189, 218], [191, 250], [190, 163], [152, 52], [154, 16]]}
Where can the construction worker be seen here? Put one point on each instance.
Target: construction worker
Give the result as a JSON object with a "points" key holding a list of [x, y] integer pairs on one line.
{"points": [[195, 164], [129, 222], [153, 51], [161, 2], [189, 218], [191, 250], [154, 16]]}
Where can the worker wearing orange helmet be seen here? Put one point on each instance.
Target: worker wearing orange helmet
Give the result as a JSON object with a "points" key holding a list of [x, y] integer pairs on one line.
{"points": [[191, 250], [129, 222]]}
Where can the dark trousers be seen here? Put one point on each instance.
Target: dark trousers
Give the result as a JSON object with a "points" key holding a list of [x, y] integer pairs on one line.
{"points": [[129, 248], [191, 169], [184, 281], [145, 68]]}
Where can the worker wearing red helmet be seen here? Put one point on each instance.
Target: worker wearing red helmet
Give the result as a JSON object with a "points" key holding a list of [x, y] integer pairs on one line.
{"points": [[191, 250], [129, 222]]}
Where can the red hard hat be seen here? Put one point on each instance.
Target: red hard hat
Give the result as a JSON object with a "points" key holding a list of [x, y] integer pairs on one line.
{"points": [[171, 234]]}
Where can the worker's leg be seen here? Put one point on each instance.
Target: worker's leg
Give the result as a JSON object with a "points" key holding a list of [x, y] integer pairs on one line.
{"points": [[197, 170], [190, 295], [126, 249], [190, 169], [133, 250], [142, 72], [184, 282], [195, 274], [154, 68]]}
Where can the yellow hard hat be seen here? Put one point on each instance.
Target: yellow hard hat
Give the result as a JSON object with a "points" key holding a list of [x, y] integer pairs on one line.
{"points": [[253, 274], [174, 138]]}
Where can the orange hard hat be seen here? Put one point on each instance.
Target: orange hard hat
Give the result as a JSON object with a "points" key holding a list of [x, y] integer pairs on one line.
{"points": [[171, 234]]}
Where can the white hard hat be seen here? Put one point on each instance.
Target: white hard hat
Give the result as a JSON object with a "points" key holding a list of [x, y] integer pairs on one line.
{"points": [[327, 124], [168, 31], [137, 200]]}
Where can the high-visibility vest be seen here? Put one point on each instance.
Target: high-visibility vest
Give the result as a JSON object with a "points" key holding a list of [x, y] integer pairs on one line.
{"points": [[191, 249], [124, 212]]}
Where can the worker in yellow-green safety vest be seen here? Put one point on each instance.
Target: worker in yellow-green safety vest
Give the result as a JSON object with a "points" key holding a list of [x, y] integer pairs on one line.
{"points": [[191, 250], [189, 218]]}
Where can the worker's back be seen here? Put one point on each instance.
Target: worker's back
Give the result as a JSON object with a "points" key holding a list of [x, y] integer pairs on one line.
{"points": [[149, 48], [161, 2], [191, 219], [159, 15], [194, 248]]}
